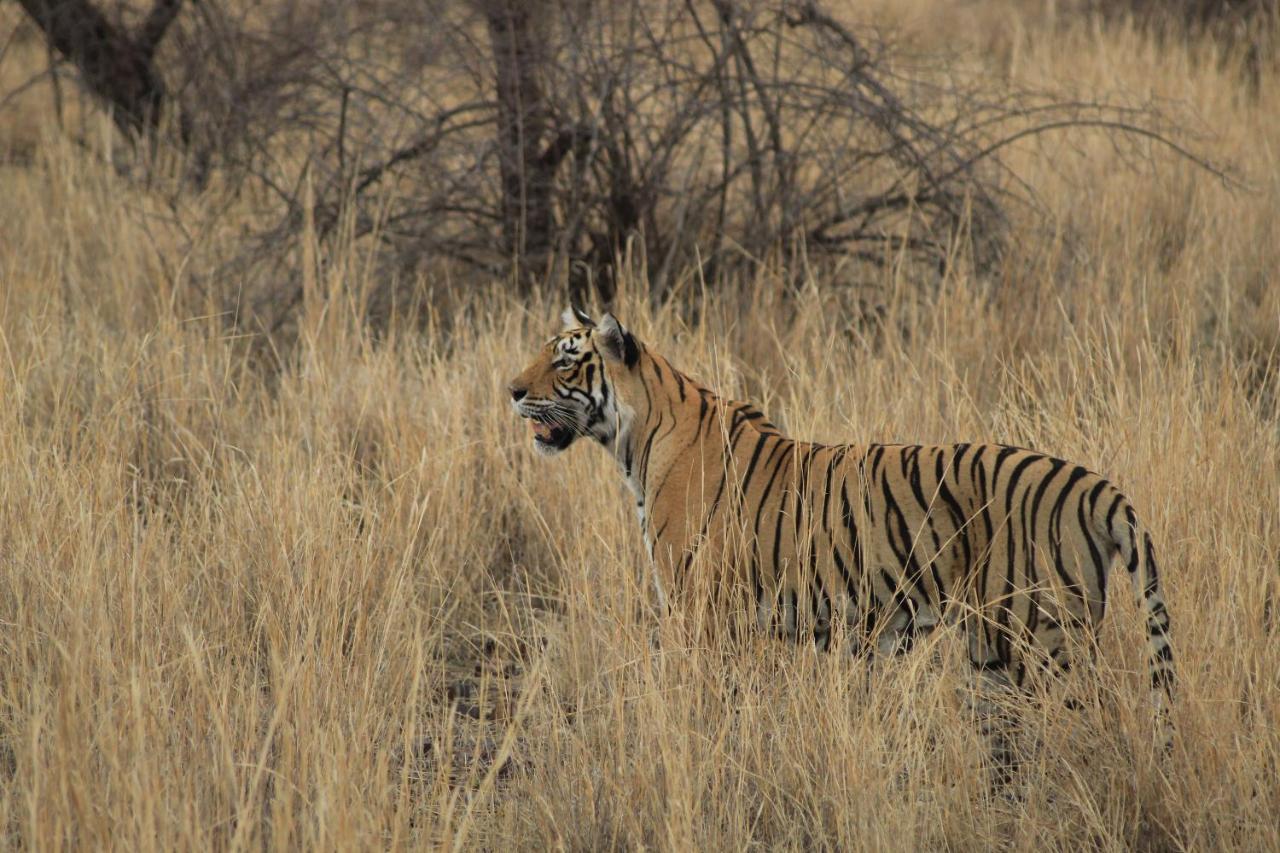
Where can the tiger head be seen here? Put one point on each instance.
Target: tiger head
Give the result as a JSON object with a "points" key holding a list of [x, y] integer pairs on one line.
{"points": [[571, 389]]}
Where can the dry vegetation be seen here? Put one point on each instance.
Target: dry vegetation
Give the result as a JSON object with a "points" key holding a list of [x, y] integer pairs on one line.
{"points": [[333, 599]]}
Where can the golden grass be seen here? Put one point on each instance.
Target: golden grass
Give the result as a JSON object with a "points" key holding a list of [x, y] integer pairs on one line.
{"points": [[243, 608]]}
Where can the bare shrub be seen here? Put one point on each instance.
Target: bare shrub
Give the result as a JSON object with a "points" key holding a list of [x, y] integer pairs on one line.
{"points": [[546, 140]]}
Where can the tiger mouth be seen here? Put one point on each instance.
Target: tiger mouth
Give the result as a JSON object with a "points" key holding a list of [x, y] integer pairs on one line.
{"points": [[547, 434]]}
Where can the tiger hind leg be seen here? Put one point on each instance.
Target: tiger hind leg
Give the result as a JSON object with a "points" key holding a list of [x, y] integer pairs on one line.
{"points": [[990, 687]]}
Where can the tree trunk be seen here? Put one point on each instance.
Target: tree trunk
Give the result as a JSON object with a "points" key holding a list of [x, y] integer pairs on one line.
{"points": [[117, 68], [523, 129]]}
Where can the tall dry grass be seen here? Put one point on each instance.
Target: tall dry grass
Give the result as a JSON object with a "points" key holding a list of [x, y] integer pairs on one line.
{"points": [[343, 603]]}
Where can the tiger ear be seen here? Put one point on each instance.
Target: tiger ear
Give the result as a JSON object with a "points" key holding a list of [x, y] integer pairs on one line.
{"points": [[616, 342], [575, 318]]}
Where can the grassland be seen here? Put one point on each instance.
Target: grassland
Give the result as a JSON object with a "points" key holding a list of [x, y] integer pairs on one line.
{"points": [[341, 602]]}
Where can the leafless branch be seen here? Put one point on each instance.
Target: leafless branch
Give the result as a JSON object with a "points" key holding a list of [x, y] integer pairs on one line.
{"points": [[552, 136]]}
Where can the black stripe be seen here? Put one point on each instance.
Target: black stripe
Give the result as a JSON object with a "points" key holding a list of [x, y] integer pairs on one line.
{"points": [[826, 493], [644, 455], [764, 500], [958, 518], [751, 466], [1115, 505], [755, 541], [852, 528], [1153, 581], [875, 457], [1029, 535], [903, 601], [984, 569], [1018, 471], [1096, 557], [1031, 582]]}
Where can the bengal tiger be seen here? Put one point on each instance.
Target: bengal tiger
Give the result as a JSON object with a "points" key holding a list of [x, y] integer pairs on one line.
{"points": [[886, 540]]}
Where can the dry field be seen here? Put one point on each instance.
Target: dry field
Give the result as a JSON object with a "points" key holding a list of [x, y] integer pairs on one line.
{"points": [[344, 604]]}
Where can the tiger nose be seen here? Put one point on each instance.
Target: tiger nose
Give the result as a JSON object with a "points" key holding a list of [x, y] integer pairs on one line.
{"points": [[517, 393]]}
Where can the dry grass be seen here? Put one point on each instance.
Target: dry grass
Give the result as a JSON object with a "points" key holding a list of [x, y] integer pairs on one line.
{"points": [[344, 604]]}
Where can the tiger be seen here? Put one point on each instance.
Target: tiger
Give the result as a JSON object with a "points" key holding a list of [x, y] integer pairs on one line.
{"points": [[885, 540]]}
